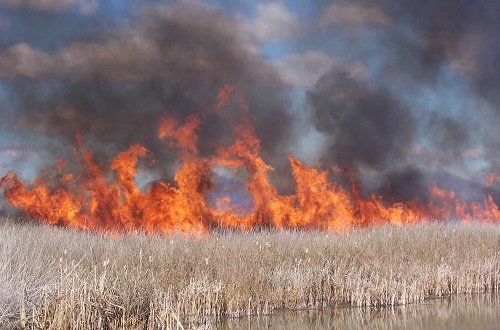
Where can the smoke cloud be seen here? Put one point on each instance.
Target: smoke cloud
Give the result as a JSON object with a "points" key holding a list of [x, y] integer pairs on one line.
{"points": [[432, 99], [85, 6], [393, 91], [366, 124], [171, 58]]}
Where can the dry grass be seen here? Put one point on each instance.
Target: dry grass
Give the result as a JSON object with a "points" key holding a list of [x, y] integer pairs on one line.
{"points": [[61, 279]]}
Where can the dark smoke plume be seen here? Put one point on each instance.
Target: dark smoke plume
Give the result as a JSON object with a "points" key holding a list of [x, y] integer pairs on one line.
{"points": [[460, 37], [367, 126], [172, 58], [419, 45], [112, 83]]}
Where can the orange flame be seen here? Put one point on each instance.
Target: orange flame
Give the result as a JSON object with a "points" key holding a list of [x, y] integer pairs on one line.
{"points": [[109, 200]]}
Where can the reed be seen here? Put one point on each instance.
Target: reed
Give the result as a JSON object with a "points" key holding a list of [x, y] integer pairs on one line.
{"points": [[55, 278]]}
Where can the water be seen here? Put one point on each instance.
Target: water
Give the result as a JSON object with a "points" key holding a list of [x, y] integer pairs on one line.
{"points": [[455, 312]]}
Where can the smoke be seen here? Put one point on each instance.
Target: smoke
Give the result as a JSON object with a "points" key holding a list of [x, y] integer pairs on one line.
{"points": [[412, 88], [366, 124], [459, 38], [431, 102], [459, 35], [84, 6], [113, 90]]}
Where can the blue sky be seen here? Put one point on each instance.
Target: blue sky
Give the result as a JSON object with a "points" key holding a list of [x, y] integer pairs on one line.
{"points": [[373, 85]]}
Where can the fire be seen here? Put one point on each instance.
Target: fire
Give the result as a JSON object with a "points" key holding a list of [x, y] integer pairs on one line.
{"points": [[108, 199], [449, 205]]}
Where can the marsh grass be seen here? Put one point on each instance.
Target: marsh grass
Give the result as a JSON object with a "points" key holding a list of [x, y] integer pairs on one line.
{"points": [[55, 278]]}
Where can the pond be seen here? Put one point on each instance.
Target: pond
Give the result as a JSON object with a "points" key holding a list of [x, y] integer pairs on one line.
{"points": [[453, 312]]}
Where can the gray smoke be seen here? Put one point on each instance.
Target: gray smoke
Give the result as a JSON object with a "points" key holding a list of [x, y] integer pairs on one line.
{"points": [[375, 124], [113, 90], [366, 124], [111, 83]]}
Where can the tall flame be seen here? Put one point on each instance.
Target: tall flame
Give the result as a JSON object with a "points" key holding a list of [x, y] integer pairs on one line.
{"points": [[109, 200]]}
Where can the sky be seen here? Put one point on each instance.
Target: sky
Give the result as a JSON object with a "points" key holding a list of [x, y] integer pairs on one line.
{"points": [[390, 89]]}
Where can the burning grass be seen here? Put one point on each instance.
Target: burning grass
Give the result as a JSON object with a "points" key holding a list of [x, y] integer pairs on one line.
{"points": [[56, 278], [80, 193]]}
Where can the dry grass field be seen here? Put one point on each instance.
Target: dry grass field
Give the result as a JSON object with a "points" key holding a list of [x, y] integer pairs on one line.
{"points": [[54, 278]]}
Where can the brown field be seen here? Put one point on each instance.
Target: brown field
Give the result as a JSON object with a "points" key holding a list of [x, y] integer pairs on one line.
{"points": [[54, 278]]}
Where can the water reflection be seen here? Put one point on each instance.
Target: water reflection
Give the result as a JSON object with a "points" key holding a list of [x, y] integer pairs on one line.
{"points": [[454, 312]]}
